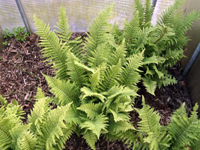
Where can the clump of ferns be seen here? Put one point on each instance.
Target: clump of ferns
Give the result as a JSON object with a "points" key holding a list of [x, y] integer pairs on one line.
{"points": [[99, 77], [163, 43]]}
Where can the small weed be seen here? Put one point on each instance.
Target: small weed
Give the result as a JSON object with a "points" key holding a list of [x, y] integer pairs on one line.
{"points": [[19, 33], [5, 43], [7, 33]]}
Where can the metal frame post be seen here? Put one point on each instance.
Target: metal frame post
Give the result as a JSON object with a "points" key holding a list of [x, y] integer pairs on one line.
{"points": [[19, 5]]}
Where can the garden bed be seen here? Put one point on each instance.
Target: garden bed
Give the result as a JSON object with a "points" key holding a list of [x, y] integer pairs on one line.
{"points": [[21, 69]]}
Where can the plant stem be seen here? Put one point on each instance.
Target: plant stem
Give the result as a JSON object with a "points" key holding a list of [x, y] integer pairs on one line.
{"points": [[162, 35]]}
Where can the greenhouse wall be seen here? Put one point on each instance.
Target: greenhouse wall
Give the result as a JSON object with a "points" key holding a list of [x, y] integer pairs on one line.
{"points": [[80, 12], [193, 76]]}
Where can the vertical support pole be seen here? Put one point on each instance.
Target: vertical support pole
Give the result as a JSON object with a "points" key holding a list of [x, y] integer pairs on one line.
{"points": [[19, 5], [154, 3], [192, 59], [1, 39]]}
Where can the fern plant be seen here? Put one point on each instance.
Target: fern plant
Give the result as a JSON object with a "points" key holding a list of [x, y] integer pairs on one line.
{"points": [[181, 133], [163, 43], [98, 77], [46, 129]]}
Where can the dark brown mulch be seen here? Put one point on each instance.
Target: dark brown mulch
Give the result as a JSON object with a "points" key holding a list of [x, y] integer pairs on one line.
{"points": [[169, 98], [21, 68]]}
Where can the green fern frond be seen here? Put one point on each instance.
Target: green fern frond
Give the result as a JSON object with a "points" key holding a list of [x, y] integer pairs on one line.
{"points": [[63, 31], [92, 110], [53, 50], [100, 55], [110, 76], [3, 101], [72, 116], [61, 142], [6, 124], [116, 32], [66, 92], [118, 54], [28, 141], [17, 133], [168, 80], [150, 125], [119, 127], [119, 95], [40, 94], [120, 116], [97, 30], [15, 111], [130, 72], [95, 78], [149, 84], [39, 112], [128, 137], [172, 56], [141, 41], [52, 129], [77, 49], [131, 29], [183, 25], [196, 144], [184, 130], [86, 92], [139, 7], [96, 125], [120, 91], [90, 138], [76, 72], [148, 12], [166, 15]]}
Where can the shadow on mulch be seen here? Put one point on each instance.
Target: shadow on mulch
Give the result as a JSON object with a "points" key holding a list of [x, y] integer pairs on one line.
{"points": [[21, 69]]}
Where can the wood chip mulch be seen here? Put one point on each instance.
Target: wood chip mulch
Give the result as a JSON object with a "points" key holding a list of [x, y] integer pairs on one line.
{"points": [[21, 69]]}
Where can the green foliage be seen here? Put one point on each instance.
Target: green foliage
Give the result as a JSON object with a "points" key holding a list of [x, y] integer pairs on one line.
{"points": [[18, 32], [162, 44], [101, 85], [46, 128], [181, 133], [99, 78], [4, 43], [7, 33]]}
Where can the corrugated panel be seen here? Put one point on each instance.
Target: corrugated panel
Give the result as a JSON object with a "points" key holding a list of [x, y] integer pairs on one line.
{"points": [[80, 12], [193, 76], [9, 15], [161, 5]]}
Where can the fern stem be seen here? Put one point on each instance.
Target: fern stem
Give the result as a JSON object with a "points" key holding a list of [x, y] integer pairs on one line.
{"points": [[162, 35]]}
